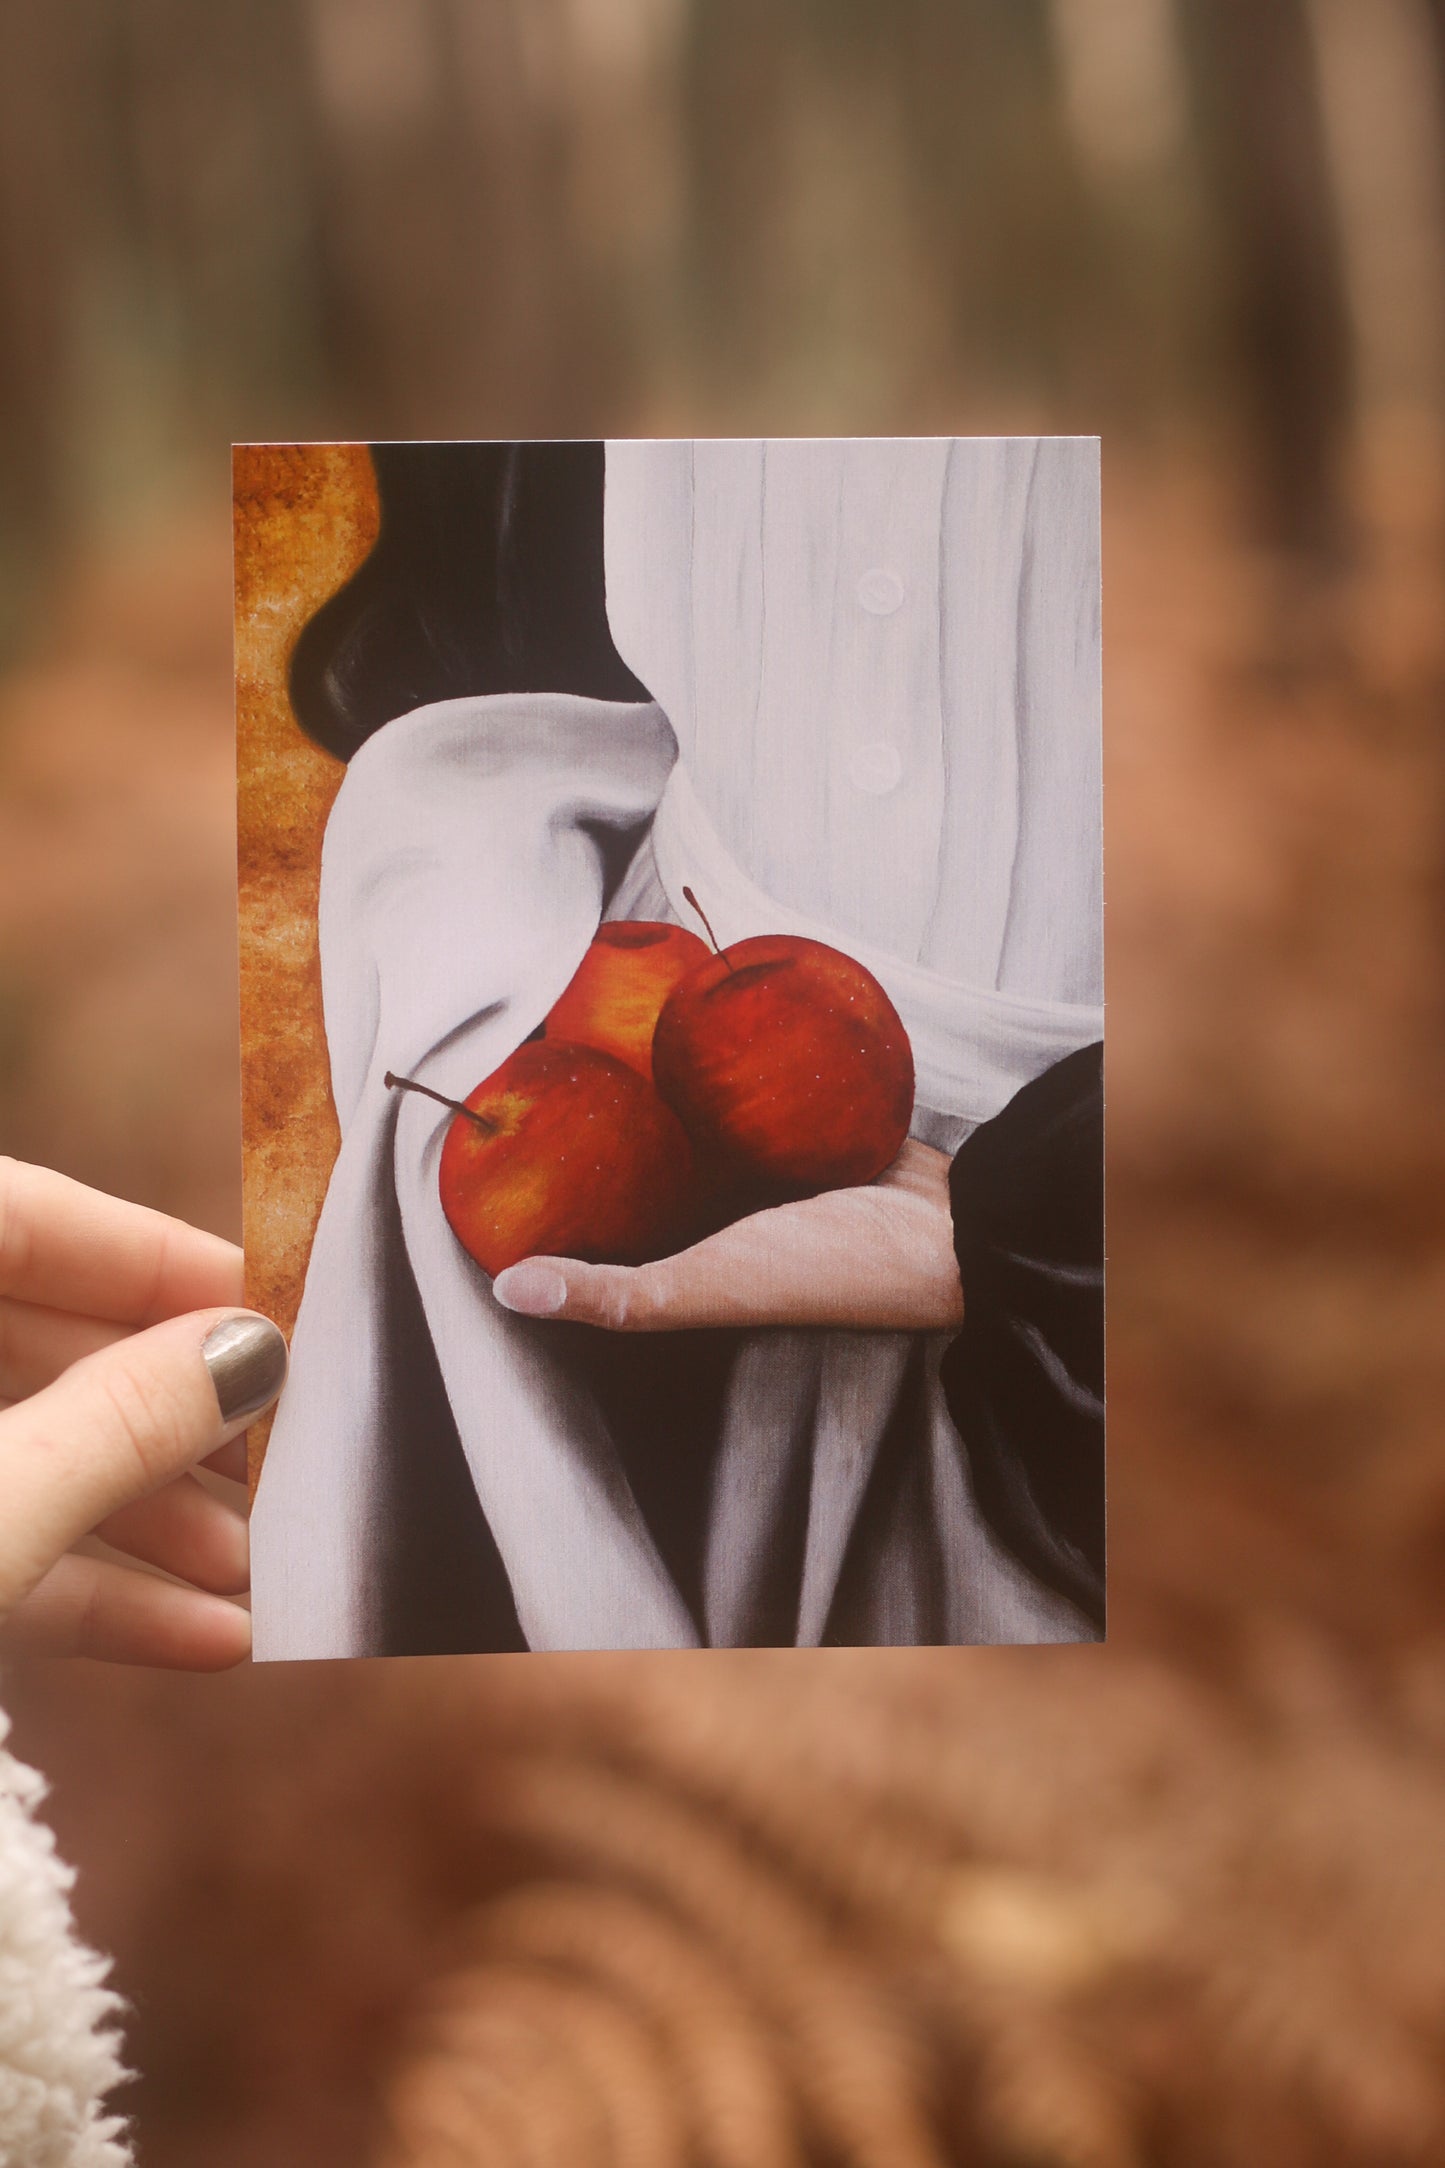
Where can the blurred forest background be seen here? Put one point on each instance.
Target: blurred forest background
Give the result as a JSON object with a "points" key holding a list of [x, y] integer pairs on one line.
{"points": [[1177, 1902]]}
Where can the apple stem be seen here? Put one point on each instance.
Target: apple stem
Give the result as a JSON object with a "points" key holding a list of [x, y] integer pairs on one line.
{"points": [[717, 951], [410, 1084]]}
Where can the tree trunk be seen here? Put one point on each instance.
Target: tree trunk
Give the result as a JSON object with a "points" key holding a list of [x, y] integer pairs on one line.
{"points": [[1253, 66]]}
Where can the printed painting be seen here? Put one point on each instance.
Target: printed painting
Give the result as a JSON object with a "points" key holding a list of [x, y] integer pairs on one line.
{"points": [[671, 945]]}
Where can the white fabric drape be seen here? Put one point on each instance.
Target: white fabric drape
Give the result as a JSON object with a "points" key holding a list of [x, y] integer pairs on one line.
{"points": [[461, 880]]}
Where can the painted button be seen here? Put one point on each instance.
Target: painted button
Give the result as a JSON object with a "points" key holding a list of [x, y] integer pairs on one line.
{"points": [[876, 768], [880, 592]]}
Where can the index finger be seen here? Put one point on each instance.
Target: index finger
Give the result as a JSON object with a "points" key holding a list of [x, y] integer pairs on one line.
{"points": [[72, 1248]]}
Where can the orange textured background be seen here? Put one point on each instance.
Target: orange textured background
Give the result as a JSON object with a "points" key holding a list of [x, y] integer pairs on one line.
{"points": [[305, 517]]}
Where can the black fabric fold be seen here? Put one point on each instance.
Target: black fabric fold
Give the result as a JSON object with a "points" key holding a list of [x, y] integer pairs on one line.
{"points": [[1024, 1379]]}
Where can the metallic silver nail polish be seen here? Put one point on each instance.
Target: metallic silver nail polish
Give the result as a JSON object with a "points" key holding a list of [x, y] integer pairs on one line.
{"points": [[246, 1357]]}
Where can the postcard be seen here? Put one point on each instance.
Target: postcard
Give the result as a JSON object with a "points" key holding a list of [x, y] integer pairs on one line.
{"points": [[671, 960]]}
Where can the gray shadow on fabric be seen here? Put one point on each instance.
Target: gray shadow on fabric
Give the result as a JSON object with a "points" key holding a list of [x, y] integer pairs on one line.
{"points": [[905, 1607], [661, 1397], [442, 1588]]}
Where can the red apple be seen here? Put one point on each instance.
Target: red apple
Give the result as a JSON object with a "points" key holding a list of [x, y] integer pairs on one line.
{"points": [[788, 1060], [566, 1152], [616, 995]]}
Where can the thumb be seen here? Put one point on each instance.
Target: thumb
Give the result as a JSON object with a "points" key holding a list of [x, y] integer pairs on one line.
{"points": [[620, 1298], [119, 1424]]}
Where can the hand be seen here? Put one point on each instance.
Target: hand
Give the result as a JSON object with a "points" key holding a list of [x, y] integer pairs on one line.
{"points": [[122, 1363], [878, 1258]]}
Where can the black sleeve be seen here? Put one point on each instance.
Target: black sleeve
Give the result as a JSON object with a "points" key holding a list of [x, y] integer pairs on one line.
{"points": [[1024, 1380]]}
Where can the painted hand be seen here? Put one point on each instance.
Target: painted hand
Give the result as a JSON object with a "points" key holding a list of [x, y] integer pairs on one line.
{"points": [[123, 1362], [880, 1257]]}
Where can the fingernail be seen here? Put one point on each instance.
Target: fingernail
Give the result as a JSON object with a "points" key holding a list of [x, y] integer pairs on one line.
{"points": [[246, 1357], [531, 1290]]}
